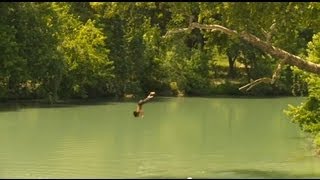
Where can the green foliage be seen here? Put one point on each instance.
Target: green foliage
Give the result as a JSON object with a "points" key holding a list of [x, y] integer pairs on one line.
{"points": [[307, 115], [86, 58], [225, 88], [11, 63], [317, 140], [93, 49]]}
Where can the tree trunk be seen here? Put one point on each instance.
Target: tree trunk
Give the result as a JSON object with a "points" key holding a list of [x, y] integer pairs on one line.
{"points": [[232, 71]]}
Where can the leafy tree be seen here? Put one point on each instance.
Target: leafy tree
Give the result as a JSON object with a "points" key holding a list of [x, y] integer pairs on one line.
{"points": [[307, 115], [11, 62], [85, 55], [35, 49]]}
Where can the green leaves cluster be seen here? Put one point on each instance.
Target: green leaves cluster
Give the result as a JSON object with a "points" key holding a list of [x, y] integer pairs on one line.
{"points": [[307, 115], [47, 52]]}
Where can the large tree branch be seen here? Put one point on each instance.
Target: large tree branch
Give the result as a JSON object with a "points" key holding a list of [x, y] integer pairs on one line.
{"points": [[255, 41], [286, 57]]}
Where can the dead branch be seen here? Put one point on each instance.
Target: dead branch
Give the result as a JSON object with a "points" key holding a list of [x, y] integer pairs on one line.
{"points": [[249, 86], [275, 76]]}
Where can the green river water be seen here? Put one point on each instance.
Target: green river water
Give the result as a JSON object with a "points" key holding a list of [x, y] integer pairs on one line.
{"points": [[177, 138]]}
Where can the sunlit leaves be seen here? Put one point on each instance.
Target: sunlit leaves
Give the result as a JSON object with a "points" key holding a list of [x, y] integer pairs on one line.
{"points": [[307, 115], [86, 56]]}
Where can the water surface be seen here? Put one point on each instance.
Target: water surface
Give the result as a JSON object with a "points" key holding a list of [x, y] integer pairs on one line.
{"points": [[177, 138]]}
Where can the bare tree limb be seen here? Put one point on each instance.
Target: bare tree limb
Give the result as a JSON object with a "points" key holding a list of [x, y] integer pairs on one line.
{"points": [[175, 31], [275, 76], [249, 86], [268, 34], [286, 57], [277, 72]]}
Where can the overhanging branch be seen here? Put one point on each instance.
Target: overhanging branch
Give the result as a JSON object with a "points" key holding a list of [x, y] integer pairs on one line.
{"points": [[255, 41], [286, 57]]}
